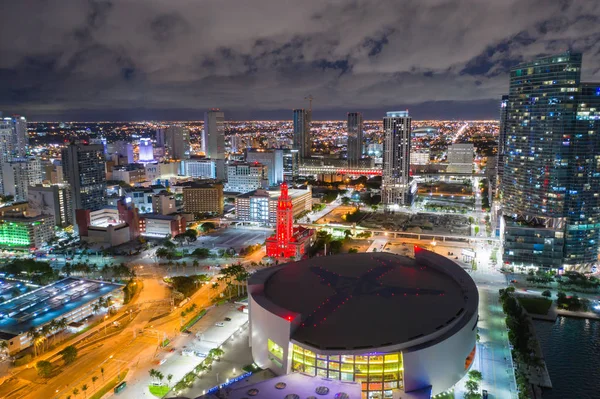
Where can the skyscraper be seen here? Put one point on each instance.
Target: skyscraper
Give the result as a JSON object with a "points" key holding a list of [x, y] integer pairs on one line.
{"points": [[18, 174], [19, 124], [291, 164], [145, 151], [84, 170], [355, 138], [177, 142], [551, 172], [6, 145], [302, 120], [396, 186], [502, 136], [213, 139], [272, 159]]}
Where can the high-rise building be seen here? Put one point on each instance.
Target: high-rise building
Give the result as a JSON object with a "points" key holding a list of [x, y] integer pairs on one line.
{"points": [[273, 159], [302, 120], [551, 174], [84, 171], [52, 200], [235, 143], [502, 137], [160, 138], [291, 164], [21, 137], [213, 138], [6, 145], [145, 151], [199, 168], [355, 138], [19, 174], [121, 151], [460, 158], [397, 188], [177, 142], [244, 176], [203, 198]]}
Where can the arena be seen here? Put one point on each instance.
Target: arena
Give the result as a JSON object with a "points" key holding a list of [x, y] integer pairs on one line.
{"points": [[399, 327]]}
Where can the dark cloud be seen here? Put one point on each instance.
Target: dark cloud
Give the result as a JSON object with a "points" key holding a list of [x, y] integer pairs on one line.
{"points": [[140, 58]]}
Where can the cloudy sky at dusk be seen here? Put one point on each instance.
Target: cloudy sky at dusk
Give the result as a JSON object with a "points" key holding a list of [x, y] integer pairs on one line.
{"points": [[172, 59]]}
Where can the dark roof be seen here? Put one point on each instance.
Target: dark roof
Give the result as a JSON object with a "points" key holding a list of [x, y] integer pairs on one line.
{"points": [[359, 301]]}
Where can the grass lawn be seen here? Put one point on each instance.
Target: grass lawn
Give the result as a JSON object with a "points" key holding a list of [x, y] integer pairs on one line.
{"points": [[535, 305], [110, 385], [159, 391]]}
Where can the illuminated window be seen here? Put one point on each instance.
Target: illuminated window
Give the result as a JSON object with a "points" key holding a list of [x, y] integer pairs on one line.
{"points": [[275, 349]]}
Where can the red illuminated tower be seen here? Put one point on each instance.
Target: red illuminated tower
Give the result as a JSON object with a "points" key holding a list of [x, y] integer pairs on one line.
{"points": [[285, 220]]}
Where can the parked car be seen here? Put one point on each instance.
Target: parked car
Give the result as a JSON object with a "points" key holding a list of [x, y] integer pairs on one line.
{"points": [[161, 361], [187, 352], [227, 319], [220, 324], [200, 354]]}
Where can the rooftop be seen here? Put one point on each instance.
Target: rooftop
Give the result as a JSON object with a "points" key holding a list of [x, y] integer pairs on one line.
{"points": [[273, 194], [50, 302], [383, 299]]}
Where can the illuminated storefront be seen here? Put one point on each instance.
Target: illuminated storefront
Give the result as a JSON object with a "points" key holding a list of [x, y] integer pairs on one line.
{"points": [[377, 373]]}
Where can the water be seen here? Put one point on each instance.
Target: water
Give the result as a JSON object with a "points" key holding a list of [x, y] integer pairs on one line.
{"points": [[572, 351]]}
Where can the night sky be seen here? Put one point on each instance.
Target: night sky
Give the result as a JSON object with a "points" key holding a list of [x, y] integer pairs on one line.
{"points": [[172, 59]]}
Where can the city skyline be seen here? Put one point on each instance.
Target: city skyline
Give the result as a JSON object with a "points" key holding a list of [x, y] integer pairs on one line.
{"points": [[438, 60]]}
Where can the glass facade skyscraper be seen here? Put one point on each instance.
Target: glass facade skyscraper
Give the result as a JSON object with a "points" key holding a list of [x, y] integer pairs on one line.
{"points": [[396, 188], [85, 171], [550, 167], [355, 138], [302, 119]]}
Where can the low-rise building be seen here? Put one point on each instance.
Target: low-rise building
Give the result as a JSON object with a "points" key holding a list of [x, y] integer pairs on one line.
{"points": [[130, 174], [17, 230], [199, 168], [243, 177], [71, 298], [203, 198], [110, 225], [161, 226], [161, 171], [261, 205]]}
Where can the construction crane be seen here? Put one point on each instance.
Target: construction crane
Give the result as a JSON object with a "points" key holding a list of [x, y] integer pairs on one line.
{"points": [[309, 98]]}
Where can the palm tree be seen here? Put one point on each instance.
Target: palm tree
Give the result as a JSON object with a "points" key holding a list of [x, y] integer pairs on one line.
{"points": [[33, 335], [84, 388], [216, 353], [153, 373], [75, 391], [160, 376], [102, 372], [3, 346], [169, 378], [195, 263], [94, 379]]}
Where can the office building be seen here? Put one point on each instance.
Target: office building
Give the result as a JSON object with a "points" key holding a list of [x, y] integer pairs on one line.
{"points": [[302, 143], [272, 159], [213, 138], [121, 152], [163, 203], [110, 226], [155, 172], [355, 138], [84, 170], [203, 198], [72, 299], [291, 165], [199, 168], [53, 172], [177, 142], [460, 158], [130, 174], [162, 226], [145, 151], [236, 144], [18, 175], [244, 176], [420, 156], [411, 334], [260, 206], [397, 188], [25, 232], [551, 173], [54, 200]]}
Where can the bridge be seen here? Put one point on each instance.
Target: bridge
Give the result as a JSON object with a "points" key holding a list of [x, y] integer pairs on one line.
{"points": [[399, 234]]}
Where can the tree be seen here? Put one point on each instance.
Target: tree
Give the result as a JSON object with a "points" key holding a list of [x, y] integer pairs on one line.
{"points": [[472, 386], [475, 375], [207, 227], [347, 234], [216, 353], [169, 378], [44, 368], [353, 251], [75, 391], [547, 294], [94, 379], [3, 346], [102, 372], [84, 388], [69, 354]]}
